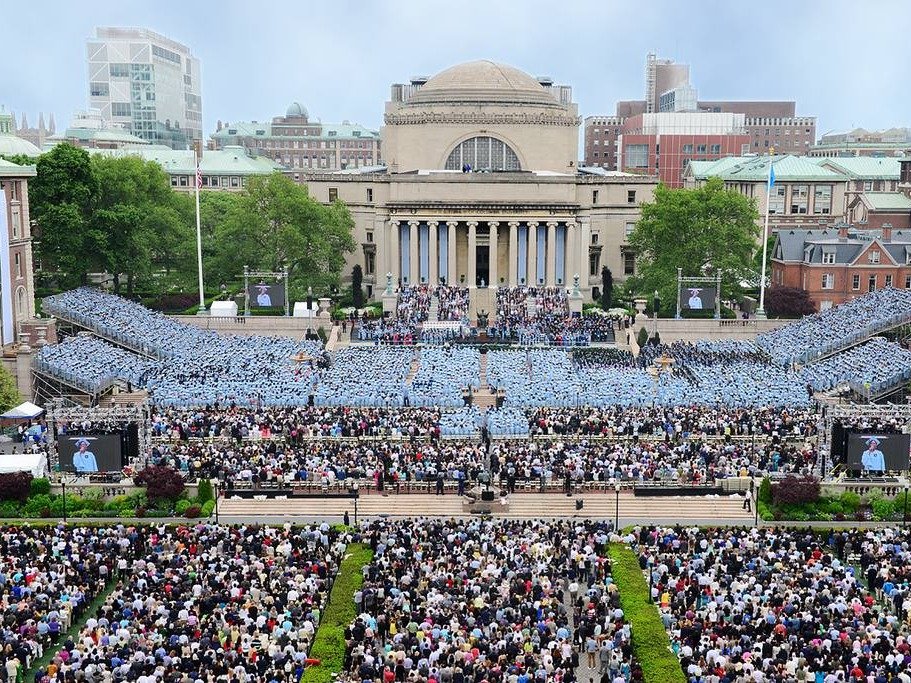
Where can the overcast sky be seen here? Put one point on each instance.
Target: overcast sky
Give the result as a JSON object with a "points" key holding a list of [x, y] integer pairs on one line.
{"points": [[848, 63]]}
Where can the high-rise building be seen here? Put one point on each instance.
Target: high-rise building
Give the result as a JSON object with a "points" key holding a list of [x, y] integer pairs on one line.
{"points": [[668, 90], [147, 84]]}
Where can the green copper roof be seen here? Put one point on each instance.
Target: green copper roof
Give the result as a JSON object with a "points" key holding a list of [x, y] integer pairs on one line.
{"points": [[228, 161], [756, 169], [863, 168], [888, 201], [11, 170], [262, 130]]}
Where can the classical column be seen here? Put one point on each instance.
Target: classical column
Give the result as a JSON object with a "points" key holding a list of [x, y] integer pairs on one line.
{"points": [[513, 253], [434, 257], [551, 254], [532, 278], [414, 277], [394, 260], [453, 276], [472, 253], [493, 270], [571, 262], [585, 237]]}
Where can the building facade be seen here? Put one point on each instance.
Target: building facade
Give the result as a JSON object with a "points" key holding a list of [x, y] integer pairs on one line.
{"points": [[894, 142], [89, 131], [147, 84], [668, 90], [19, 266], [296, 142], [839, 263], [481, 186]]}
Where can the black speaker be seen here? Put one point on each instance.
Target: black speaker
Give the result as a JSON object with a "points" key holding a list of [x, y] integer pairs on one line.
{"points": [[839, 442], [130, 443], [487, 495], [579, 503]]}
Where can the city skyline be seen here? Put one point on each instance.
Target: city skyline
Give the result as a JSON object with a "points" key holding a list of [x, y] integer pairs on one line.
{"points": [[252, 67]]}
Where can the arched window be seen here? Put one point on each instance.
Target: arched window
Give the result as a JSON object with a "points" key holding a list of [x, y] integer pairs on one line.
{"points": [[20, 303], [483, 153]]}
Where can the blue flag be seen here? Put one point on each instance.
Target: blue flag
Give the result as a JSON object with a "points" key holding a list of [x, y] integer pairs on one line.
{"points": [[771, 175]]}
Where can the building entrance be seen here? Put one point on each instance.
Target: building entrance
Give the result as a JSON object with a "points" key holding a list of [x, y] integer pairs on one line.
{"points": [[482, 262]]}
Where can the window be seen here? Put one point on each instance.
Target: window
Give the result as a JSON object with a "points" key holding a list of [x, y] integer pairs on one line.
{"points": [[799, 195], [370, 264], [483, 153], [828, 280], [630, 226], [369, 194], [716, 149], [594, 196], [855, 282], [687, 149], [18, 261], [868, 185], [871, 284], [120, 70], [629, 263], [776, 200], [873, 256], [593, 265], [235, 182], [907, 281], [333, 194], [121, 109], [888, 280], [99, 89], [174, 181], [166, 54], [183, 181], [822, 200], [594, 238], [636, 156], [828, 257], [630, 196], [17, 224]]}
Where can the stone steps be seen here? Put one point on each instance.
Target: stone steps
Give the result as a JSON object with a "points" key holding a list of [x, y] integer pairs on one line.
{"points": [[413, 370], [703, 509]]}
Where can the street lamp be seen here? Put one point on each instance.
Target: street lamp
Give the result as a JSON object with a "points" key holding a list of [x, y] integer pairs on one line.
{"points": [[617, 506], [655, 303], [63, 486], [755, 503], [905, 519], [357, 494], [215, 491]]}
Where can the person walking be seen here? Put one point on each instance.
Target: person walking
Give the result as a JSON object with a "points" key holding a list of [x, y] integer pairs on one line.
{"points": [[439, 483]]}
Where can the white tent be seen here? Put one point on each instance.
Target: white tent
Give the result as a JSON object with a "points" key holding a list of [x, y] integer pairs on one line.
{"points": [[23, 462], [26, 411]]}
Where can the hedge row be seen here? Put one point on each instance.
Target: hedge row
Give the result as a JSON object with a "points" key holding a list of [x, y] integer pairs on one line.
{"points": [[650, 641], [329, 643]]}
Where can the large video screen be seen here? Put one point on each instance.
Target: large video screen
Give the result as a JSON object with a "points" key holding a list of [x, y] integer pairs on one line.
{"points": [[86, 454], [266, 295], [875, 453], [697, 298]]}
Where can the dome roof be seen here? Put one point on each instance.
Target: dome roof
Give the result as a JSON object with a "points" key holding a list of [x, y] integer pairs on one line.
{"points": [[483, 81], [296, 109], [10, 145]]}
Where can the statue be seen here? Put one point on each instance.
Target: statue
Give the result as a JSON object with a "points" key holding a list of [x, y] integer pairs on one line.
{"points": [[388, 284], [483, 284], [576, 291]]}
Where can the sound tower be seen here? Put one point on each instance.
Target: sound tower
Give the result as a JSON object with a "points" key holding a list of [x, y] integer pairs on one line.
{"points": [[130, 440], [839, 442]]}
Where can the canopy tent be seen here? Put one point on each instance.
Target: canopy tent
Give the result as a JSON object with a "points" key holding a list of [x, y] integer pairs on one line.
{"points": [[23, 462], [25, 411]]}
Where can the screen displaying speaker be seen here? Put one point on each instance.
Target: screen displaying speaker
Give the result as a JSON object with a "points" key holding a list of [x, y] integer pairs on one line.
{"points": [[873, 453], [87, 454]]}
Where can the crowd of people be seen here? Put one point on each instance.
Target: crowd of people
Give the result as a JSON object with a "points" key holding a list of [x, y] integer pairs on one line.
{"points": [[804, 340], [767, 604], [868, 369], [453, 302], [485, 600], [91, 364]]}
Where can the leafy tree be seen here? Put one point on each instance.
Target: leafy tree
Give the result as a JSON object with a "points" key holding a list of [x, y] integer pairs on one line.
{"points": [[204, 491], [704, 231], [793, 490], [15, 485], [642, 337], [143, 224], [788, 302], [61, 198], [9, 391], [757, 260], [357, 291], [607, 288], [276, 224], [162, 483]]}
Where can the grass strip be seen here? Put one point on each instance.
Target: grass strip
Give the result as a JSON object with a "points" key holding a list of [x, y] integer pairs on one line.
{"points": [[651, 644], [329, 642]]}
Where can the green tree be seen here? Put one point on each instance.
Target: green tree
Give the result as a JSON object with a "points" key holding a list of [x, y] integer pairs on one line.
{"points": [[61, 198], [143, 225], [704, 231], [9, 391], [276, 224]]}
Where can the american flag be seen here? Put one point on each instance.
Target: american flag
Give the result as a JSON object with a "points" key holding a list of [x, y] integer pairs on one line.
{"points": [[198, 176]]}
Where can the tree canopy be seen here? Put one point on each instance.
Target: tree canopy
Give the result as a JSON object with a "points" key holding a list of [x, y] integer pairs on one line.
{"points": [[704, 231]]}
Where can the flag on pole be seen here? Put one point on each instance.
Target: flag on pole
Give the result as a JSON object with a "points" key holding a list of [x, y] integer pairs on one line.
{"points": [[771, 175], [198, 175]]}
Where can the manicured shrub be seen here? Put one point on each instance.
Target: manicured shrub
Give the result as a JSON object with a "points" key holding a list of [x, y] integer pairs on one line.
{"points": [[192, 512], [849, 502], [795, 490], [181, 506], [161, 482], [883, 508], [208, 508], [204, 493], [40, 486], [765, 491]]}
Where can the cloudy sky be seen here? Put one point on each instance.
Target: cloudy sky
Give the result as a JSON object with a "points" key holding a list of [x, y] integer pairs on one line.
{"points": [[845, 62]]}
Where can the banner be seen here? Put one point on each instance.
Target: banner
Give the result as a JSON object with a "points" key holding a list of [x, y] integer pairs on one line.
{"points": [[266, 295]]}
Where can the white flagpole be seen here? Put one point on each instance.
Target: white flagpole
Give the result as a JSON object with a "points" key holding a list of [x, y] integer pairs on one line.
{"points": [[202, 294], [760, 313]]}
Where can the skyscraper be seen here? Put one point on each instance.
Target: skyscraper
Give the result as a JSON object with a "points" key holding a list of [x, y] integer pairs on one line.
{"points": [[146, 83]]}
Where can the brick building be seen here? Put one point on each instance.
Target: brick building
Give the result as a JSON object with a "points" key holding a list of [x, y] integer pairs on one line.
{"points": [[839, 263]]}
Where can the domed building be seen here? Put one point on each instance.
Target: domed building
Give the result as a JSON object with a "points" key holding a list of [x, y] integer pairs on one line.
{"points": [[481, 186], [10, 143]]}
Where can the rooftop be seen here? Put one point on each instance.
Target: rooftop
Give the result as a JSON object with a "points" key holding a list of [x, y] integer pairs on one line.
{"points": [[231, 160], [756, 169]]}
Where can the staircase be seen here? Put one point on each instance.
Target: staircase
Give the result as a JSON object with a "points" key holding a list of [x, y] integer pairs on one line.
{"points": [[433, 313], [531, 307], [413, 370]]}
